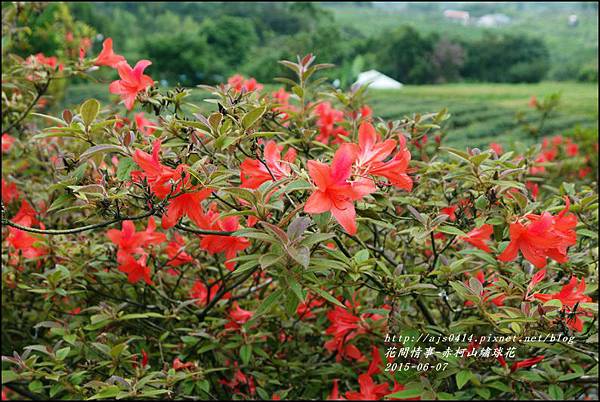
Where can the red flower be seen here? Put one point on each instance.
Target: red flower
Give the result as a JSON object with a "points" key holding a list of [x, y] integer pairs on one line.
{"points": [[497, 148], [334, 192], [230, 245], [526, 363], [537, 278], [179, 365], [50, 61], [136, 270], [533, 101], [144, 125], [335, 392], [22, 241], [570, 294], [9, 192], [187, 204], [328, 117], [344, 326], [479, 236], [130, 242], [369, 391], [253, 172], [175, 252], [163, 179], [7, 142], [237, 317], [534, 188], [542, 236], [450, 211], [204, 296], [239, 379], [239, 83], [26, 243], [372, 153], [572, 149], [107, 57], [304, 309], [132, 81], [144, 358], [374, 366]]}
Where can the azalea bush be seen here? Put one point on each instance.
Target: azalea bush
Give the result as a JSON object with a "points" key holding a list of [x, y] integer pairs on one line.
{"points": [[285, 244]]}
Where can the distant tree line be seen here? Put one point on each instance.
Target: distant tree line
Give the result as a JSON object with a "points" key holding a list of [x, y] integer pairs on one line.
{"points": [[191, 43]]}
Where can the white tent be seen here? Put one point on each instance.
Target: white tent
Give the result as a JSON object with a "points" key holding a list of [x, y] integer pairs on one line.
{"points": [[376, 80]]}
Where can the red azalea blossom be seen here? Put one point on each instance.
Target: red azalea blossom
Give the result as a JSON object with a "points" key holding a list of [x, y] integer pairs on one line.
{"points": [[328, 117], [239, 83], [534, 188], [526, 363], [497, 148], [570, 295], [204, 296], [450, 211], [144, 125], [369, 391], [7, 142], [179, 365], [239, 379], [175, 252], [132, 82], [144, 358], [214, 244], [253, 172], [9, 192], [304, 309], [572, 149], [334, 192], [40, 58], [237, 317], [161, 180], [130, 242], [479, 236], [136, 270], [541, 237], [344, 327], [335, 392], [107, 57], [372, 154]]}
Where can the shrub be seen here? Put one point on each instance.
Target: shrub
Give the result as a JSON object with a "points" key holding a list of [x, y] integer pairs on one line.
{"points": [[273, 248]]}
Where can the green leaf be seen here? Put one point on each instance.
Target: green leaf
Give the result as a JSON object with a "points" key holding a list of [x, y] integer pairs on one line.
{"points": [[556, 392], [325, 295], [252, 117], [126, 166], [106, 393], [9, 376], [61, 354], [89, 111], [405, 394], [462, 377], [246, 353], [101, 148], [268, 303], [451, 230]]}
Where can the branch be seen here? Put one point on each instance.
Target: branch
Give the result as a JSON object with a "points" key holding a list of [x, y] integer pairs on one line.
{"points": [[203, 232], [6, 222]]}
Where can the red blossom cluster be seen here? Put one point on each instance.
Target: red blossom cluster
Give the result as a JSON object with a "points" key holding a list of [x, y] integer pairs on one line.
{"points": [[539, 237], [336, 192], [239, 83]]}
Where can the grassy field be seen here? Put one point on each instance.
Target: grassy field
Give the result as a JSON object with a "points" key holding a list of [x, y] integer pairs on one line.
{"points": [[481, 113]]}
